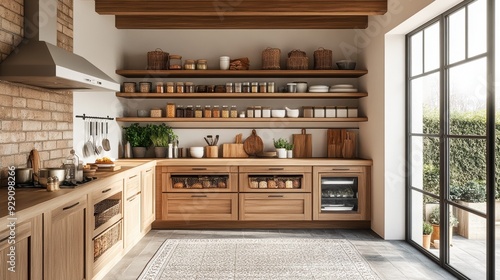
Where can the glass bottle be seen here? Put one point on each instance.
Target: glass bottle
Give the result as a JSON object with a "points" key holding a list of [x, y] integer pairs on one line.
{"points": [[71, 166]]}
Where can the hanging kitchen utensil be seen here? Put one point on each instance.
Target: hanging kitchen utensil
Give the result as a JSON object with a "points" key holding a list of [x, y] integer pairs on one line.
{"points": [[105, 141], [302, 145], [89, 145], [96, 151], [85, 151], [99, 136], [253, 144]]}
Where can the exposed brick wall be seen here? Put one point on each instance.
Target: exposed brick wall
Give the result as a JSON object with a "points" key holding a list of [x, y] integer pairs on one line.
{"points": [[32, 117]]}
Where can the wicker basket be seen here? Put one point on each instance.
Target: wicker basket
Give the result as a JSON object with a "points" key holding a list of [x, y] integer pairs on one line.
{"points": [[200, 182], [271, 59], [105, 210], [297, 60], [107, 239], [323, 59], [275, 182], [157, 60]]}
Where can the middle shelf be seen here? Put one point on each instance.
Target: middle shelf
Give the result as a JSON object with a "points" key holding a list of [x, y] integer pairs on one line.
{"points": [[246, 122], [306, 95]]}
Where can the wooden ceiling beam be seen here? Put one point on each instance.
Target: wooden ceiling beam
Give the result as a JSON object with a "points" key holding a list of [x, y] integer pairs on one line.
{"points": [[227, 8], [237, 22]]}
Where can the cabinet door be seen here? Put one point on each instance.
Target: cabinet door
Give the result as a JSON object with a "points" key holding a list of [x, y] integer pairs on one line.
{"points": [[275, 207], [200, 206], [64, 246], [148, 197], [132, 220], [107, 204], [341, 194], [26, 263]]}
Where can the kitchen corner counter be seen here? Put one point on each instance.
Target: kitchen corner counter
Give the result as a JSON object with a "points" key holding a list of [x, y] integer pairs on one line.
{"points": [[263, 162], [30, 202]]}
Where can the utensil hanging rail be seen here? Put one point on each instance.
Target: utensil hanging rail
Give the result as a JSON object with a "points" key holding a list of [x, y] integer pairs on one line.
{"points": [[94, 117]]}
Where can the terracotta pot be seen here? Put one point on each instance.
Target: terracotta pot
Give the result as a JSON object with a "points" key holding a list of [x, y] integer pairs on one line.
{"points": [[426, 241], [161, 152], [435, 232]]}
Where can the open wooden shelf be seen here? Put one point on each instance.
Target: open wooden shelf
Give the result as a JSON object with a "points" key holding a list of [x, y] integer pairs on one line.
{"points": [[275, 123], [199, 95], [241, 73]]}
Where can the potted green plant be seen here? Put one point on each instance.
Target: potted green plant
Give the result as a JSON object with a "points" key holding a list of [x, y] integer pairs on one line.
{"points": [[161, 136], [139, 138], [471, 195], [281, 144], [435, 219], [289, 150], [427, 231]]}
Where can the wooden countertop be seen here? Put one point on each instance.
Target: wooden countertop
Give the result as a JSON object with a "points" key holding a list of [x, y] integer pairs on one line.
{"points": [[33, 202], [264, 161]]}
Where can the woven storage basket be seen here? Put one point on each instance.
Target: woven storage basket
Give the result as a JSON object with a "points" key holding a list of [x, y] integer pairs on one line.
{"points": [[105, 210], [323, 59], [297, 60], [271, 59], [107, 239], [157, 60]]}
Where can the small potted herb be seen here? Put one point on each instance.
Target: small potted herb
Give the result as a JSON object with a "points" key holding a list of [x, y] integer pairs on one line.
{"points": [[427, 231], [281, 145], [161, 136], [139, 138], [289, 150]]}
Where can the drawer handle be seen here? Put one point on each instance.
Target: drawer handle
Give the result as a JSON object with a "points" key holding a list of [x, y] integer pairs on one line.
{"points": [[71, 206], [275, 195], [132, 177], [276, 168], [341, 169], [4, 239], [106, 190], [149, 170], [199, 195], [133, 197], [199, 168]]}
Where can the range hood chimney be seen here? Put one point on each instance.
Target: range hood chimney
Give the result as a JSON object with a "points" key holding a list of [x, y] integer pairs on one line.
{"points": [[39, 62]]}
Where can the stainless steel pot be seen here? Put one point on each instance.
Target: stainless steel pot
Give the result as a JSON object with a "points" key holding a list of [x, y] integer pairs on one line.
{"points": [[24, 175], [45, 173]]}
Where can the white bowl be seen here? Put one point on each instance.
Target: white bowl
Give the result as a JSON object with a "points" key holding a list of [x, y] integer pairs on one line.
{"points": [[196, 152], [278, 113], [292, 113]]}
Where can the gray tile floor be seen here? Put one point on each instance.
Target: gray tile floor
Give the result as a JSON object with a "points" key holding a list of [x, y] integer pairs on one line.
{"points": [[389, 259]]}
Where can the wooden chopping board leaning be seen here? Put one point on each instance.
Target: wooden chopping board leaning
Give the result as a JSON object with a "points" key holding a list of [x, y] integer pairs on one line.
{"points": [[341, 143], [302, 145], [253, 145]]}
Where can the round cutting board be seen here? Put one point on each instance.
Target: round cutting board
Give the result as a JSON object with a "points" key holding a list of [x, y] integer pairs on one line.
{"points": [[253, 144]]}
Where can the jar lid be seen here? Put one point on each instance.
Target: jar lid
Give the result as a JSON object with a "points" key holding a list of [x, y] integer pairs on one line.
{"points": [[145, 83], [202, 61], [189, 83], [170, 83], [266, 108], [169, 103], [330, 107], [319, 107], [307, 107], [189, 61], [189, 106], [341, 107], [257, 107], [129, 83], [174, 56], [180, 83], [251, 107], [246, 83]]}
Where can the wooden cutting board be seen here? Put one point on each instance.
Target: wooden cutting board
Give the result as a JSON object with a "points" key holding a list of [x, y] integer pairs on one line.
{"points": [[34, 161], [335, 142], [302, 145], [253, 144], [349, 148], [234, 150]]}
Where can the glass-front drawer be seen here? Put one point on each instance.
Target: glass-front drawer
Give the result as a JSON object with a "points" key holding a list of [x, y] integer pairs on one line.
{"points": [[339, 194], [199, 181]]}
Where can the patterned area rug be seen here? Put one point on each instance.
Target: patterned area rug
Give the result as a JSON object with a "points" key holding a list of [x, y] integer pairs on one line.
{"points": [[257, 259]]}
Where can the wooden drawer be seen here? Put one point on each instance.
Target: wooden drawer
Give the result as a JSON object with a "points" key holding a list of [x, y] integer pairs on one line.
{"points": [[275, 206], [356, 169], [107, 191], [132, 185], [201, 169], [200, 206], [275, 169], [112, 192], [208, 181]]}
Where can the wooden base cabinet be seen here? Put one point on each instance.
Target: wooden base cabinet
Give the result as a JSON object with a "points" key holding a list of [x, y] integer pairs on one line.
{"points": [[199, 206], [341, 193], [275, 206], [64, 241], [148, 198], [25, 262], [132, 211]]}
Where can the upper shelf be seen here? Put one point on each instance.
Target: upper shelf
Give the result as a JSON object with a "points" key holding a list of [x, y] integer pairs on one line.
{"points": [[242, 73], [306, 95]]}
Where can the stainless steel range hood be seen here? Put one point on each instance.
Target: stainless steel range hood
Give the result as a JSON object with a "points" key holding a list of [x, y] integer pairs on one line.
{"points": [[39, 62]]}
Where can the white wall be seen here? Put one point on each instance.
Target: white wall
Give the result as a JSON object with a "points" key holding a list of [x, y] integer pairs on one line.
{"points": [[97, 40], [382, 48]]}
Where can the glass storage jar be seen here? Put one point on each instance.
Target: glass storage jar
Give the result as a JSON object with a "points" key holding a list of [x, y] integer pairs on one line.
{"points": [[233, 112], [189, 112], [257, 111], [216, 111], [175, 62], [129, 87], [189, 87], [170, 88], [270, 87], [229, 87], [266, 112], [159, 87], [198, 112], [254, 87], [225, 111], [308, 111], [179, 111], [319, 112], [263, 87], [145, 87], [207, 113], [201, 64], [171, 110], [237, 87], [250, 112], [179, 87], [189, 64], [246, 87]]}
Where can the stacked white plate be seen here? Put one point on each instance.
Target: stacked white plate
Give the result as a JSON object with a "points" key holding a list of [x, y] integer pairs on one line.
{"points": [[343, 88], [318, 88]]}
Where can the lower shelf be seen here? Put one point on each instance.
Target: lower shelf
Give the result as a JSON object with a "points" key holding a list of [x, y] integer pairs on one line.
{"points": [[247, 122]]}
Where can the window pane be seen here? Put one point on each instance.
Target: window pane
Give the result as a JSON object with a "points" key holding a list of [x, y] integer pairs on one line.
{"points": [[425, 104], [468, 244], [425, 163], [467, 94], [477, 28], [457, 36], [468, 170], [417, 54], [431, 47], [423, 206]]}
